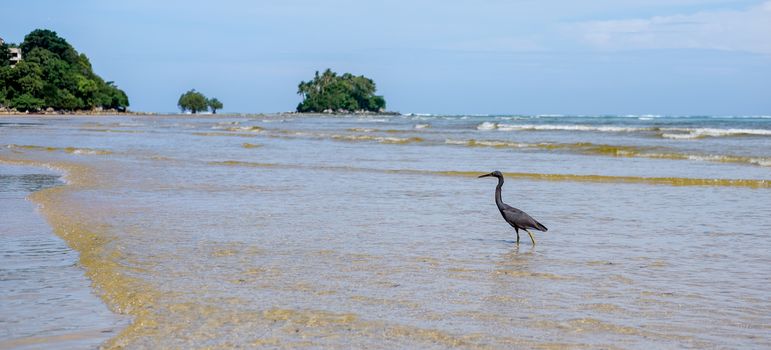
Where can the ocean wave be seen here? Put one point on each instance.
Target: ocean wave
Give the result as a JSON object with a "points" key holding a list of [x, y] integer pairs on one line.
{"points": [[668, 181], [615, 151], [244, 164], [251, 128], [557, 127], [577, 127], [361, 129], [367, 135], [579, 147], [422, 126], [71, 150], [391, 140], [760, 161], [642, 116], [488, 143], [373, 120], [487, 126], [680, 136], [223, 134], [225, 125], [671, 181], [697, 133], [89, 129], [369, 130], [665, 132]]}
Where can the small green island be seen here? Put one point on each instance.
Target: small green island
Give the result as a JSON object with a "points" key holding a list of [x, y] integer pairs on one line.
{"points": [[329, 92], [45, 73]]}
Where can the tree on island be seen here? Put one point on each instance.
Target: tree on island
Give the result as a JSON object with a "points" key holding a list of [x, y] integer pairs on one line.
{"points": [[195, 102], [214, 104], [52, 74], [346, 92]]}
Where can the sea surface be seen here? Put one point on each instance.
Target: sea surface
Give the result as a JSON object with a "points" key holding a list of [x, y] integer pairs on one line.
{"points": [[338, 232], [46, 301]]}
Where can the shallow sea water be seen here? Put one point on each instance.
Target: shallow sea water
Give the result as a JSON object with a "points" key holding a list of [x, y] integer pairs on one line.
{"points": [[350, 232], [45, 299]]}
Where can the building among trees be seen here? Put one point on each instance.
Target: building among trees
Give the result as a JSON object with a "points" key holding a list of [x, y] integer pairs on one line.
{"points": [[14, 54], [53, 75]]}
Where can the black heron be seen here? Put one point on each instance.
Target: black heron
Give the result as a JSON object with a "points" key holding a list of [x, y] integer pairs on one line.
{"points": [[516, 218]]}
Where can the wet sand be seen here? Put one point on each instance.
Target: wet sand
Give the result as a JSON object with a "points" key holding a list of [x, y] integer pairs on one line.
{"points": [[45, 299]]}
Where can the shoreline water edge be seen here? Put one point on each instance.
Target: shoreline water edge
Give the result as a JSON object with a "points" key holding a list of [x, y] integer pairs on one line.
{"points": [[48, 300]]}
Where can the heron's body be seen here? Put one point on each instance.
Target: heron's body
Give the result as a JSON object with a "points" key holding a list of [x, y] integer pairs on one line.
{"points": [[518, 219]]}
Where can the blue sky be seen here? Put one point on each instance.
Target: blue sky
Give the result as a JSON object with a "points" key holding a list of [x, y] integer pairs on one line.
{"points": [[428, 56]]}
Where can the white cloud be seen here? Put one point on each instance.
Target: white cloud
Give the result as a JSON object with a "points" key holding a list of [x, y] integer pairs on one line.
{"points": [[746, 30]]}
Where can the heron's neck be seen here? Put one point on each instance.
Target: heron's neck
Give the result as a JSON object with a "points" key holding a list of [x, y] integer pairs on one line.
{"points": [[498, 200]]}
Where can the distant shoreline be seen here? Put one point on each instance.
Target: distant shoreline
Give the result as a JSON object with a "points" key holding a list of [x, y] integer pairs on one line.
{"points": [[68, 113], [155, 114]]}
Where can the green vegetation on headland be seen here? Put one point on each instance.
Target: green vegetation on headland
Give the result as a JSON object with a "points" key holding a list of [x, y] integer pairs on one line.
{"points": [[195, 102], [345, 93], [5, 54], [53, 75]]}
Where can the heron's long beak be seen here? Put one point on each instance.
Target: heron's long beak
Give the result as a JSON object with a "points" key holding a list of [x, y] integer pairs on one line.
{"points": [[485, 175]]}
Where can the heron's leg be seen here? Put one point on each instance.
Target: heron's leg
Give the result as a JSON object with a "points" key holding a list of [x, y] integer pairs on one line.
{"points": [[531, 236], [517, 231]]}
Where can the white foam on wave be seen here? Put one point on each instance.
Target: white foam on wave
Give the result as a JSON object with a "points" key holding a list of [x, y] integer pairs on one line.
{"points": [[422, 126], [764, 162], [671, 133], [680, 136], [642, 116], [376, 138], [487, 143], [362, 130], [243, 128], [455, 142], [694, 133], [373, 120], [487, 126], [86, 151], [562, 127], [761, 161]]}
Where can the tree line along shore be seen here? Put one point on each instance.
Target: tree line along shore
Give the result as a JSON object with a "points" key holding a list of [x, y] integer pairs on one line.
{"points": [[45, 75]]}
